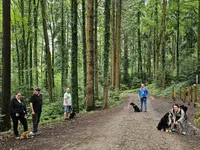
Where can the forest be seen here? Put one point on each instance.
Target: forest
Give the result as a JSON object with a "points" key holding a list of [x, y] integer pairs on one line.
{"points": [[97, 48]]}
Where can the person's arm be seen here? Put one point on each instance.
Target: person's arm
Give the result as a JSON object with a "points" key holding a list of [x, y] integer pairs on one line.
{"points": [[182, 116], [12, 110], [31, 106], [147, 92]]}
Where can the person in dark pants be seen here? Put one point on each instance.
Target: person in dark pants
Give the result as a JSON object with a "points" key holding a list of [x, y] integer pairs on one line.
{"points": [[143, 94], [36, 108], [18, 111]]}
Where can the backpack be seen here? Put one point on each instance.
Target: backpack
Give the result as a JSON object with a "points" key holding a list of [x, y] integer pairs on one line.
{"points": [[184, 108]]}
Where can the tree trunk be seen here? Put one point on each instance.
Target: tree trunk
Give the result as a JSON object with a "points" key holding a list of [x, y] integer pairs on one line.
{"points": [[90, 60], [173, 52], [84, 46], [163, 44], [113, 59], [36, 5], [139, 49], [96, 65], [28, 68], [17, 51], [198, 40], [157, 50], [106, 51], [6, 67], [53, 32], [74, 55], [63, 46], [118, 45], [47, 50], [177, 40], [126, 61]]}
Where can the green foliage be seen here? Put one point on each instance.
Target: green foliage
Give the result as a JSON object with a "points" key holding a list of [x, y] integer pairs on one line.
{"points": [[52, 111]]}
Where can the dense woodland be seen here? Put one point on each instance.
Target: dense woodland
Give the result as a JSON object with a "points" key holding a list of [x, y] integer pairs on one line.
{"points": [[95, 47]]}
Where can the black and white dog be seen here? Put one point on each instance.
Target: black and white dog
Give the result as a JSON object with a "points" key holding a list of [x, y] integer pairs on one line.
{"points": [[72, 114], [135, 107], [165, 122]]}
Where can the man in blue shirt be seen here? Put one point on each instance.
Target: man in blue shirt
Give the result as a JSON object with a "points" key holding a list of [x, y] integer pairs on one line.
{"points": [[143, 94]]}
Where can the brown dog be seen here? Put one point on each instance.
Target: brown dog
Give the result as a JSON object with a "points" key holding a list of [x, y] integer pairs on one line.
{"points": [[26, 135]]}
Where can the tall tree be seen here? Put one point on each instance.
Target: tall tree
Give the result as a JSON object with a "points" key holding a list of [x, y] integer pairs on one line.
{"points": [[118, 45], [47, 50], [177, 40], [198, 40], [90, 58], [113, 56], [139, 47], [106, 51], [63, 45], [74, 54], [96, 65], [36, 5], [126, 60], [163, 43], [84, 46], [6, 66], [157, 50]]}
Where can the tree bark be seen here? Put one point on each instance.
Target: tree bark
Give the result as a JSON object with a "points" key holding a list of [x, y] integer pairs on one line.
{"points": [[118, 45], [163, 44], [177, 40], [6, 67], [84, 46], [113, 59], [126, 60], [106, 51], [36, 5], [63, 46], [47, 50], [90, 59], [139, 49], [198, 40], [96, 65], [74, 55]]}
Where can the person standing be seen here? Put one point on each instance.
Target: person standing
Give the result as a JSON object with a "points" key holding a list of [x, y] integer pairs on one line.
{"points": [[143, 94], [36, 109], [18, 111], [67, 103]]}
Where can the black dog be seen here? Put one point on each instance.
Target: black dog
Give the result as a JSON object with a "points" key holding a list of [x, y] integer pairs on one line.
{"points": [[72, 114], [165, 122], [135, 107]]}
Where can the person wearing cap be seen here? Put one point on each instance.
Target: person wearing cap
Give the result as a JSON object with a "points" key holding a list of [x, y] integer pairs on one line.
{"points": [[36, 109]]}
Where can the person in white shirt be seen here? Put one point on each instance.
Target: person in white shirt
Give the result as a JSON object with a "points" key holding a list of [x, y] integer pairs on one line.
{"points": [[67, 103]]}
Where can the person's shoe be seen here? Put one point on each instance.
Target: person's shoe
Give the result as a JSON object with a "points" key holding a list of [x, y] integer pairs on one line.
{"points": [[17, 137], [173, 130], [183, 133], [36, 133], [145, 110]]}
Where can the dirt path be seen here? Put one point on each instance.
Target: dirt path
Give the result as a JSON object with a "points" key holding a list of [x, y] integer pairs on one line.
{"points": [[117, 128]]}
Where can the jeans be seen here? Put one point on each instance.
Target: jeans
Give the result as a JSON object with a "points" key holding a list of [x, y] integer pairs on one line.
{"points": [[143, 100], [36, 120], [15, 123]]}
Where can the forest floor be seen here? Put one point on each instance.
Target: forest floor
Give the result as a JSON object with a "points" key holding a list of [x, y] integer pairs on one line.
{"points": [[117, 128]]}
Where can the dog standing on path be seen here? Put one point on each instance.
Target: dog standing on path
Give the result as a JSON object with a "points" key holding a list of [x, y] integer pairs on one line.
{"points": [[135, 107]]}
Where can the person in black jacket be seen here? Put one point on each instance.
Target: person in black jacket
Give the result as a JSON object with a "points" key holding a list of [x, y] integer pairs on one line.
{"points": [[18, 111], [36, 108]]}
